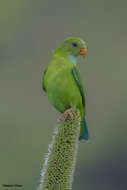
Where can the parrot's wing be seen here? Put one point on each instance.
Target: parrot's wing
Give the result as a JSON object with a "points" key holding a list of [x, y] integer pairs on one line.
{"points": [[78, 81], [43, 85]]}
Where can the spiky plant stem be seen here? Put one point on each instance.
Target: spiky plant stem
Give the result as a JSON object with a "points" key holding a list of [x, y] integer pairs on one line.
{"points": [[57, 172]]}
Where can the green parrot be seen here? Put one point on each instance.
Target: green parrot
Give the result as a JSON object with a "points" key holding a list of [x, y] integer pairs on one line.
{"points": [[62, 81]]}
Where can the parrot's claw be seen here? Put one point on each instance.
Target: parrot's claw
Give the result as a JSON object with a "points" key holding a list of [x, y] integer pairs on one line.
{"points": [[66, 115]]}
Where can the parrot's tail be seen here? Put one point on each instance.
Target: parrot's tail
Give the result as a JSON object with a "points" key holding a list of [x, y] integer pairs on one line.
{"points": [[85, 134]]}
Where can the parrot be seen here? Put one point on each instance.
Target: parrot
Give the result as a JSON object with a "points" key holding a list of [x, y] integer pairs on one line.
{"points": [[62, 81]]}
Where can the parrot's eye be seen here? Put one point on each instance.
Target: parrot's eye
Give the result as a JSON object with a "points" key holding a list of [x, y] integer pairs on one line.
{"points": [[74, 44]]}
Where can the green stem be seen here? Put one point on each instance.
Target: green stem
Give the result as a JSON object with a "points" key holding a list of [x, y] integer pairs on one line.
{"points": [[58, 169]]}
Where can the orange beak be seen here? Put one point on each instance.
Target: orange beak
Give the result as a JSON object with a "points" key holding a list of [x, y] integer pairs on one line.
{"points": [[83, 51]]}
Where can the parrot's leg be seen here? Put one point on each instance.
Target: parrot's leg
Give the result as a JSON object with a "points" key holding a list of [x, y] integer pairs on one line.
{"points": [[66, 115]]}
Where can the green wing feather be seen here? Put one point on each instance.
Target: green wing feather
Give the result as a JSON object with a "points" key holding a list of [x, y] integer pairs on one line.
{"points": [[43, 85], [78, 81]]}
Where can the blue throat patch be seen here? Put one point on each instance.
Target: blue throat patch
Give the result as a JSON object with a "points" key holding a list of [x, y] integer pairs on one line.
{"points": [[72, 58]]}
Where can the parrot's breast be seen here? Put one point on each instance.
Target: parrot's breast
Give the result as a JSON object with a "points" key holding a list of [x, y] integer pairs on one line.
{"points": [[62, 90]]}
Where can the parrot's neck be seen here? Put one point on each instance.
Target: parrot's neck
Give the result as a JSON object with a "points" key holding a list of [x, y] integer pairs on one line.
{"points": [[72, 58]]}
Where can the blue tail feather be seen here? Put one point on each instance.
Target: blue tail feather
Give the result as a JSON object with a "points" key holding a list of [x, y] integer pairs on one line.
{"points": [[85, 135]]}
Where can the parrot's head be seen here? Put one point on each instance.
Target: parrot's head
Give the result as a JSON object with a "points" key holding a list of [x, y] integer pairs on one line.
{"points": [[73, 46]]}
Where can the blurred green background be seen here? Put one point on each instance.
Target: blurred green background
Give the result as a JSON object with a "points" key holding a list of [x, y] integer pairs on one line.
{"points": [[29, 31]]}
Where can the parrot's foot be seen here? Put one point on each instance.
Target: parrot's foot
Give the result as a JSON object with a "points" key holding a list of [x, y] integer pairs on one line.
{"points": [[66, 115]]}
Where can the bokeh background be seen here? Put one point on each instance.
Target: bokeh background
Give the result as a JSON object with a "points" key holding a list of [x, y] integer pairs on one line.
{"points": [[29, 31]]}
